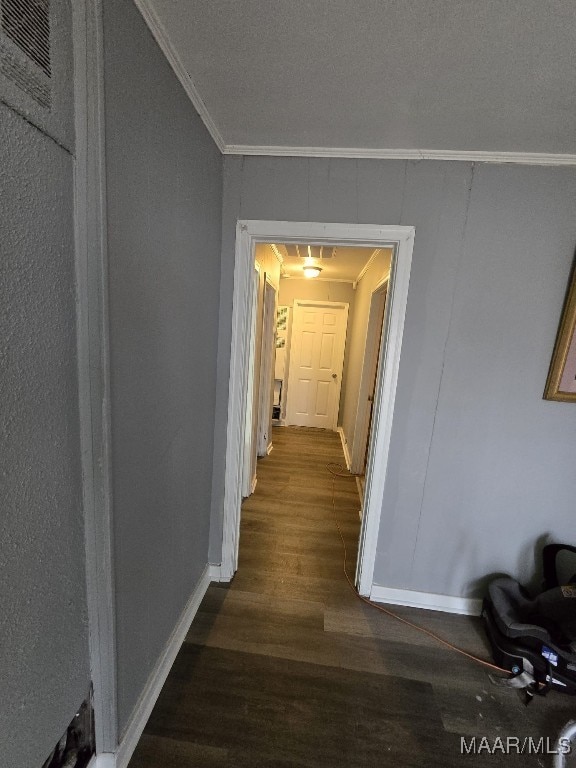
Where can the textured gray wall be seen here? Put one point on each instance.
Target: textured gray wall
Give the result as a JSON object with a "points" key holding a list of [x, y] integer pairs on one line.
{"points": [[164, 216], [44, 665], [480, 466]]}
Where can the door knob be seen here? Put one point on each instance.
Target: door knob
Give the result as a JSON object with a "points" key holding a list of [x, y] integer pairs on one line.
{"points": [[334, 376]]}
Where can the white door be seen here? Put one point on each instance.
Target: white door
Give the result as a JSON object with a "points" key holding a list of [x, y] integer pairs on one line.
{"points": [[316, 360]]}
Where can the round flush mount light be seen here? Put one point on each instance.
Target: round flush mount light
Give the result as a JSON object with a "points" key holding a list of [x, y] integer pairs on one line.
{"points": [[311, 271]]}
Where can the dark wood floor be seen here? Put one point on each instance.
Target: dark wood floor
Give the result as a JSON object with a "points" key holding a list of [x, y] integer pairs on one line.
{"points": [[285, 667]]}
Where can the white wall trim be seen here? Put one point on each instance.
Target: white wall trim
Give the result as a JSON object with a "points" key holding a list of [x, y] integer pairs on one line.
{"points": [[157, 678], [344, 447], [216, 573], [470, 156], [105, 760], [163, 39], [369, 361], [366, 267], [464, 605], [248, 233], [93, 361]]}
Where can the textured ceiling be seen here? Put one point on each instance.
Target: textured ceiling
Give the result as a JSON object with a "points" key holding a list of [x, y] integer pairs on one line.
{"points": [[470, 75], [341, 263]]}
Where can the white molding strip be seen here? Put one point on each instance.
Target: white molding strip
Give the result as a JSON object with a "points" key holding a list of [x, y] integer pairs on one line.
{"points": [[344, 447], [216, 573], [159, 674], [163, 39], [93, 360], [105, 760], [448, 604], [470, 156], [366, 267]]}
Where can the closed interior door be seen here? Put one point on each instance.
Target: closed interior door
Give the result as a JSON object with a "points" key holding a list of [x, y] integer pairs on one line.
{"points": [[316, 360]]}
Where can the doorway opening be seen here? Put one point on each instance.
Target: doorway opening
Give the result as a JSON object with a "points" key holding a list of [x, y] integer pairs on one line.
{"points": [[316, 396]]}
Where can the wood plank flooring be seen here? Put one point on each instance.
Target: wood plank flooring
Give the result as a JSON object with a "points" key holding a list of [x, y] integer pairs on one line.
{"points": [[286, 667]]}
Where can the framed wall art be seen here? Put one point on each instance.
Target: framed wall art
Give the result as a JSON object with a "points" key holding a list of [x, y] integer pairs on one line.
{"points": [[561, 383]]}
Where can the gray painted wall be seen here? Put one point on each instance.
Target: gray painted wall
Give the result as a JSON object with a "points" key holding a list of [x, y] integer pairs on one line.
{"points": [[44, 665], [480, 466], [164, 178]]}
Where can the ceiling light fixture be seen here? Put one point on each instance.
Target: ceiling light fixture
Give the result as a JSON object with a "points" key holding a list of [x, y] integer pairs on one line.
{"points": [[311, 271]]}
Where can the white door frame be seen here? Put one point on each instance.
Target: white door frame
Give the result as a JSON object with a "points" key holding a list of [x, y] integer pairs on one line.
{"points": [[268, 347], [373, 336], [250, 232], [93, 364], [334, 305], [249, 463]]}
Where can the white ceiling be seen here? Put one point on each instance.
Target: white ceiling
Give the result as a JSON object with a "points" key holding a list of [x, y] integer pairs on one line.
{"points": [[338, 263], [469, 75]]}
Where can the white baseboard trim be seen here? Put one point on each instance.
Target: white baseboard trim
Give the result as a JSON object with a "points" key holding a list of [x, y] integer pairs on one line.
{"points": [[105, 760], [216, 574], [158, 677], [427, 600], [344, 447]]}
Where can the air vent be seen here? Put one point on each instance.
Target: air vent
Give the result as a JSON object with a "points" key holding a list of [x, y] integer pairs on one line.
{"points": [[25, 46], [27, 23], [313, 251]]}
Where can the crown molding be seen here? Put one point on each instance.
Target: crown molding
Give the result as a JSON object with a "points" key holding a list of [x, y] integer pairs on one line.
{"points": [[517, 158], [163, 39], [366, 267]]}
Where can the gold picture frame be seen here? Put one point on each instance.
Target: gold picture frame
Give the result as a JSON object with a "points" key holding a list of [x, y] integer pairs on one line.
{"points": [[561, 383]]}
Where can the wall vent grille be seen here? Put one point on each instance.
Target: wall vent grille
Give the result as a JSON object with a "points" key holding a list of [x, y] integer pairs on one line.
{"points": [[310, 251], [25, 46]]}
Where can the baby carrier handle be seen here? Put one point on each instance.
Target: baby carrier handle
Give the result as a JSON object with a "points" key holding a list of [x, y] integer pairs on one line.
{"points": [[549, 555]]}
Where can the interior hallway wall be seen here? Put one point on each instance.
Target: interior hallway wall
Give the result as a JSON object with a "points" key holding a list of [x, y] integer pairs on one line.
{"points": [[480, 466], [164, 176], [356, 342], [44, 657]]}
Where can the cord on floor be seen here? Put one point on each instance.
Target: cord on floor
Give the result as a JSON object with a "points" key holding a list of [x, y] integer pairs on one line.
{"points": [[337, 470]]}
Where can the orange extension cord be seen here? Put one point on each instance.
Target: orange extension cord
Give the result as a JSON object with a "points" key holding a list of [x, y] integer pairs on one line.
{"points": [[336, 471]]}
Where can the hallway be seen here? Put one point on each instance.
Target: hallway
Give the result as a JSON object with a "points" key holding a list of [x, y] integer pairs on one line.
{"points": [[286, 668]]}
